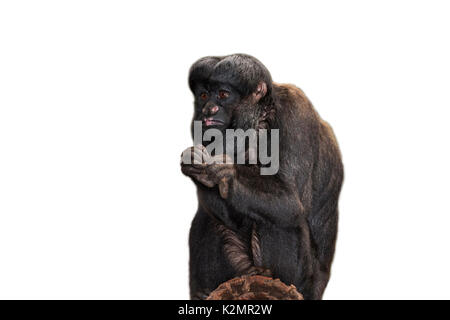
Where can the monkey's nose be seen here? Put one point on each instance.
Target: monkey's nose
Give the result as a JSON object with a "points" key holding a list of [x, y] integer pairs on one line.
{"points": [[210, 110], [214, 110]]}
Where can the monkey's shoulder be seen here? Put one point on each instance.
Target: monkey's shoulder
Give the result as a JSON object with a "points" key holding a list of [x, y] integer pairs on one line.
{"points": [[293, 107], [287, 92], [292, 97]]}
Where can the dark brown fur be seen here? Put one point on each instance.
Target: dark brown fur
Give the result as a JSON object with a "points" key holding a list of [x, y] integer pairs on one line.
{"points": [[246, 222]]}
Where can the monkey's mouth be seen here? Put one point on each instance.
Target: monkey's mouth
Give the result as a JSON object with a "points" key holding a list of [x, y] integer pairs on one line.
{"points": [[212, 122]]}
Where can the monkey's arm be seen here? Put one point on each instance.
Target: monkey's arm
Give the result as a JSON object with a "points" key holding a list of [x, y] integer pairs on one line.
{"points": [[245, 190], [268, 197]]}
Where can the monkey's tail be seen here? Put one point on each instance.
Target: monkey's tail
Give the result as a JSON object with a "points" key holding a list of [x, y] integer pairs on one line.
{"points": [[245, 258]]}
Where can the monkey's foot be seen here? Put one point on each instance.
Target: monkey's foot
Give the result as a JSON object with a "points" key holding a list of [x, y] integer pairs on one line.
{"points": [[259, 271]]}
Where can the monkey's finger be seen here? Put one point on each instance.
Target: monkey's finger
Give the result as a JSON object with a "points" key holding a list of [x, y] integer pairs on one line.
{"points": [[224, 171], [190, 170], [197, 163], [200, 147], [187, 156], [205, 180], [197, 159], [202, 152], [202, 158], [223, 188]]}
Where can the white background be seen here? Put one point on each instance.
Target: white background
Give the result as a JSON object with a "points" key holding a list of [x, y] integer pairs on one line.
{"points": [[95, 111]]}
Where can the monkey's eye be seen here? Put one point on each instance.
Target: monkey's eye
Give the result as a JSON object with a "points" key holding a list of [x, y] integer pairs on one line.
{"points": [[223, 94], [203, 96]]}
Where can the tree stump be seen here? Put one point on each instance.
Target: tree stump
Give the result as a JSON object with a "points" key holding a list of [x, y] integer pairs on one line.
{"points": [[255, 288]]}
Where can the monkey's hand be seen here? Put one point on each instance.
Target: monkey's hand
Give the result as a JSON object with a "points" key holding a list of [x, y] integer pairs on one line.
{"points": [[198, 164]]}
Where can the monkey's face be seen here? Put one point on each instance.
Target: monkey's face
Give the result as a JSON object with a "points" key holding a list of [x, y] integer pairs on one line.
{"points": [[214, 104]]}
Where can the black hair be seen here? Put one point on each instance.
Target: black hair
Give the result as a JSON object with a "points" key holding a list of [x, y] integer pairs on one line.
{"points": [[241, 71]]}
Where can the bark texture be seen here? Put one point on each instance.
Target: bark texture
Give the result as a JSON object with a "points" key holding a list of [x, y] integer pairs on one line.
{"points": [[255, 288]]}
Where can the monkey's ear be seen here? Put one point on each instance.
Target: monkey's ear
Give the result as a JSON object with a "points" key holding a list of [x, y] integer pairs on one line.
{"points": [[261, 90]]}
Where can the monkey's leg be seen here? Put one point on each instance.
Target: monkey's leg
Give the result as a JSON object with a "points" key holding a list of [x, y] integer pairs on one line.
{"points": [[287, 253], [208, 266], [324, 232]]}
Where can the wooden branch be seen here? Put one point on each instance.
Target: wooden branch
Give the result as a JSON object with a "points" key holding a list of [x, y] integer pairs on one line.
{"points": [[255, 288]]}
